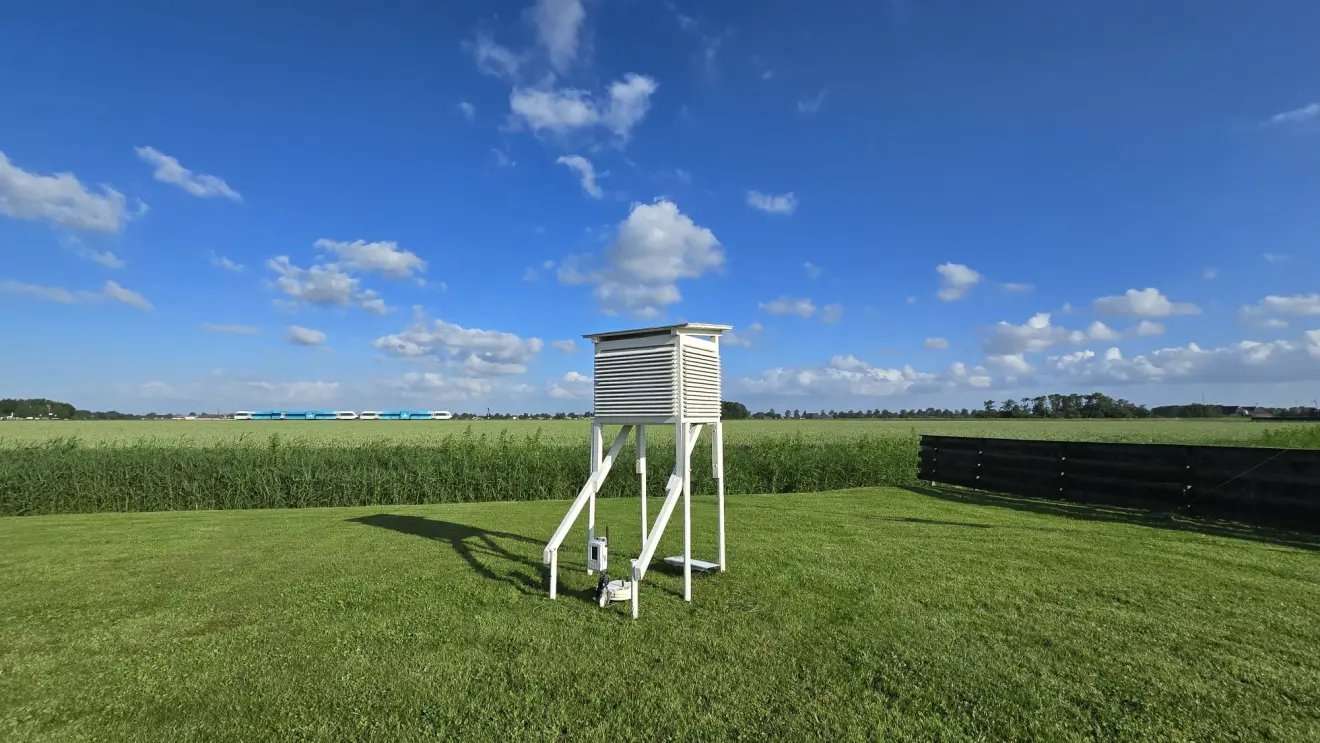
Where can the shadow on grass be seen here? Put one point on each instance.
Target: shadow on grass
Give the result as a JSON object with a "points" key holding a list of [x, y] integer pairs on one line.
{"points": [[1121, 515], [474, 543]]}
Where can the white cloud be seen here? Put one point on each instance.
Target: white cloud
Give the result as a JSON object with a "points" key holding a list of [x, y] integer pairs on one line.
{"points": [[812, 105], [956, 280], [831, 314], [219, 261], [572, 386], [1295, 116], [1101, 332], [434, 386], [382, 257], [1144, 303], [1009, 363], [1210, 274], [586, 173], [911, 300], [1298, 305], [468, 110], [117, 293], [1066, 309], [47, 293], [1037, 334], [936, 344], [168, 170], [563, 110], [786, 305], [502, 159], [323, 286], [737, 339], [1243, 362], [301, 336], [479, 352], [1016, 288], [771, 204], [847, 375], [1274, 323], [1274, 257], [112, 291], [558, 23], [493, 59], [813, 271], [568, 346], [107, 259], [654, 248], [231, 329], [1146, 328], [59, 199]]}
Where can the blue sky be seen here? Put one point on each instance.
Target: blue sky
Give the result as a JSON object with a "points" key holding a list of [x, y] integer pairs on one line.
{"points": [[370, 205]]}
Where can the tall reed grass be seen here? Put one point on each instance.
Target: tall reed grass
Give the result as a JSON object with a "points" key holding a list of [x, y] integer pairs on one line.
{"points": [[67, 476]]}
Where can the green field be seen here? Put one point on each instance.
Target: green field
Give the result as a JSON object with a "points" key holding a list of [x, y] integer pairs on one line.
{"points": [[575, 432], [879, 614], [89, 467]]}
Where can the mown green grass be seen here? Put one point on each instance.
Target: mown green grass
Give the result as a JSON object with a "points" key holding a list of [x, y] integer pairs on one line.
{"points": [[878, 614]]}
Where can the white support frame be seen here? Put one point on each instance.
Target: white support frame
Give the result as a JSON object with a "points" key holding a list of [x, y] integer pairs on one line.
{"points": [[687, 431]]}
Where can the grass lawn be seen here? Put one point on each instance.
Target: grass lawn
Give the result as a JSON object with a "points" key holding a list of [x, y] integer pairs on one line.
{"points": [[870, 614]]}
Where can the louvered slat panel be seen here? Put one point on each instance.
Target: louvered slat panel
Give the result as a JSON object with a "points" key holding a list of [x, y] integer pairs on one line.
{"points": [[701, 383], [635, 381]]}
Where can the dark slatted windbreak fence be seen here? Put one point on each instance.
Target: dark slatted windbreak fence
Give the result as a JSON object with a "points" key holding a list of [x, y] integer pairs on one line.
{"points": [[1273, 485]]}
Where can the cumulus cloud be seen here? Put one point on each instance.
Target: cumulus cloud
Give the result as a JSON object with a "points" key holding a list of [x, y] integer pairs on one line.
{"points": [[743, 339], [1013, 364], [112, 292], [786, 305], [956, 280], [1144, 303], [847, 375], [480, 352], [936, 344], [571, 386], [1269, 311], [558, 24], [300, 336], [563, 110], [1037, 334], [436, 386], [586, 173], [654, 248], [60, 199], [323, 286], [1243, 362], [382, 257], [231, 329], [168, 170], [1101, 332], [1147, 328], [771, 204], [568, 346]]}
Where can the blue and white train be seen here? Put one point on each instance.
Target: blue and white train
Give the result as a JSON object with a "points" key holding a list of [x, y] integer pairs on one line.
{"points": [[342, 415]]}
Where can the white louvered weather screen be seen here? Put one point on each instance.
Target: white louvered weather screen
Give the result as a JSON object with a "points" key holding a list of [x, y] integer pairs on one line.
{"points": [[701, 380], [636, 381]]}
